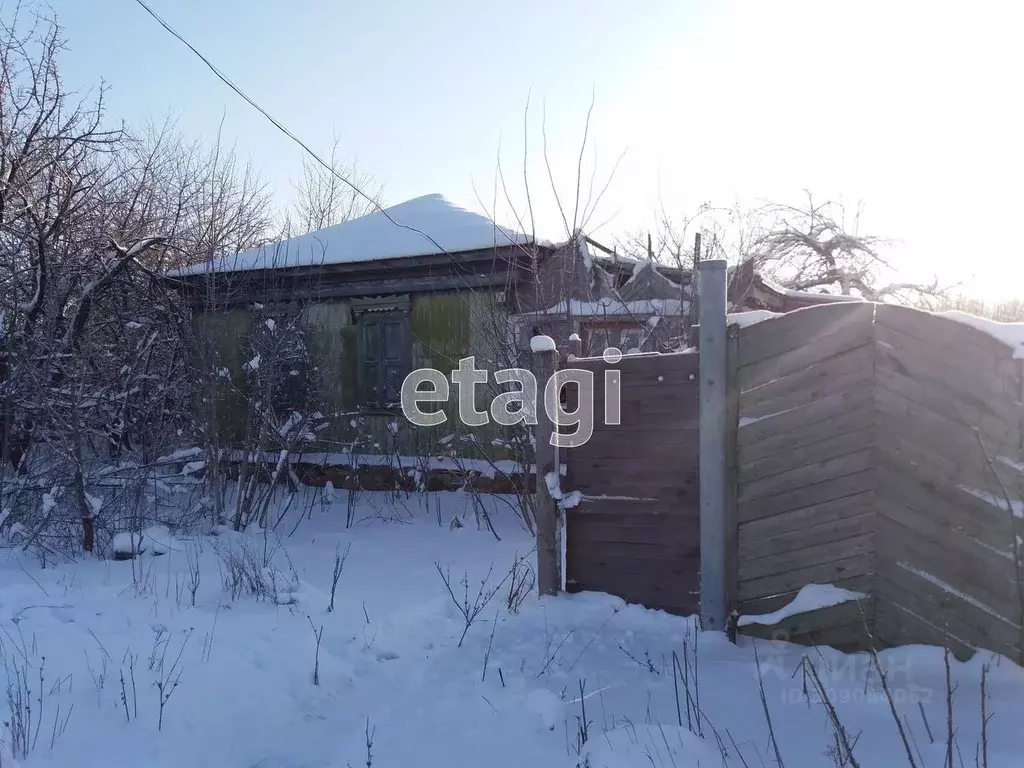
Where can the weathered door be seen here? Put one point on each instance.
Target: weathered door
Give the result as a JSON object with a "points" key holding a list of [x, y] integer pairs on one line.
{"points": [[636, 534]]}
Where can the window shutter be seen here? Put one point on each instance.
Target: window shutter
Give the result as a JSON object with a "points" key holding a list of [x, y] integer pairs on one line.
{"points": [[370, 359], [393, 362], [384, 347]]}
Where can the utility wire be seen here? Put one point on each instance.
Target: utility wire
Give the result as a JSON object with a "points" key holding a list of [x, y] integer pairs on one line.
{"points": [[277, 124]]}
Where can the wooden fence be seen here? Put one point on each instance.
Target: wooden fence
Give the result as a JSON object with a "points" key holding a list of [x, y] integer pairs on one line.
{"points": [[637, 532], [875, 447]]}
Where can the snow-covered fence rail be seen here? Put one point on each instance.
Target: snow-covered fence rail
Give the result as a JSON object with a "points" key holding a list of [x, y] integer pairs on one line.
{"points": [[880, 448], [636, 529]]}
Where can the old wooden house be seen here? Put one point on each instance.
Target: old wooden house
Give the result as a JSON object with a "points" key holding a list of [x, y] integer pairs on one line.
{"points": [[332, 321]]}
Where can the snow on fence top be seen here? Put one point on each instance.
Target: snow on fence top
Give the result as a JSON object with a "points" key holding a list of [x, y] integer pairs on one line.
{"points": [[423, 226], [1010, 334], [743, 319]]}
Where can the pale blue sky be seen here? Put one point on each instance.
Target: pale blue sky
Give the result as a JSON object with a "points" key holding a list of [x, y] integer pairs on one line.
{"points": [[913, 108]]}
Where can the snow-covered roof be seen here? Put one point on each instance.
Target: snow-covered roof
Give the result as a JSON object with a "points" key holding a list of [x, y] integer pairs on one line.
{"points": [[422, 226]]}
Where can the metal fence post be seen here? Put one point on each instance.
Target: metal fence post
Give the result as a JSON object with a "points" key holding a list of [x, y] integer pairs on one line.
{"points": [[549, 554], [713, 372]]}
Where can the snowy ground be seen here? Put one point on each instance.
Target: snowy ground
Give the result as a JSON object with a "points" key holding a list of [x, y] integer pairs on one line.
{"points": [[238, 672]]}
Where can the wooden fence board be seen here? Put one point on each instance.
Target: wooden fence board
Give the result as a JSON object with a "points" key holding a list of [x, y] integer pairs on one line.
{"points": [[964, 471], [860, 417], [615, 474], [847, 638], [957, 337], [974, 570], [814, 326], [826, 513], [682, 496], [632, 510], [820, 573], [896, 625], [929, 427], [669, 469], [972, 623], [652, 409], [860, 582], [680, 431], [626, 443], [804, 476], [807, 496], [754, 430], [993, 562], [845, 624], [976, 385], [1000, 422], [987, 367], [851, 381], [639, 561], [913, 454], [966, 575], [859, 359], [653, 370], [817, 553], [629, 538], [793, 541], [772, 369], [932, 529], [929, 494], [839, 444], [649, 590], [956, 463]]}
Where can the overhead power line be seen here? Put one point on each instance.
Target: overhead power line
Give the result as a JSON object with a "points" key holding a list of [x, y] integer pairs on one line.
{"points": [[283, 129]]}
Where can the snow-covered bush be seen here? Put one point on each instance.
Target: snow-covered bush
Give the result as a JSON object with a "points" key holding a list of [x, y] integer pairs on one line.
{"points": [[95, 366], [248, 569]]}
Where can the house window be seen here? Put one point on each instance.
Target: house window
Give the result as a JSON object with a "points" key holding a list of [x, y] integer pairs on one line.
{"points": [[599, 339], [624, 337], [290, 388], [385, 348], [630, 340]]}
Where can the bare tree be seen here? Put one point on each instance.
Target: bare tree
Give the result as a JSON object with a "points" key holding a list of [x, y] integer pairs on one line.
{"points": [[323, 199], [814, 247], [94, 357]]}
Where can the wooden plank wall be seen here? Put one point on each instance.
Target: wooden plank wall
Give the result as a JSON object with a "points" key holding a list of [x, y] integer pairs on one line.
{"points": [[947, 398], [873, 445], [636, 534], [805, 474]]}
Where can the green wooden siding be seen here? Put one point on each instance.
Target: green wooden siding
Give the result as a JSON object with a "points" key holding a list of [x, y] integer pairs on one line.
{"points": [[444, 328]]}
